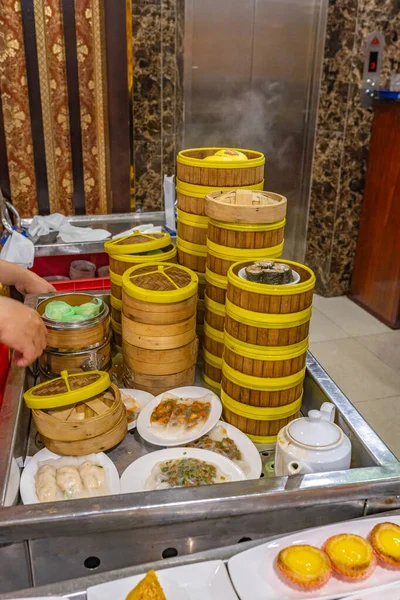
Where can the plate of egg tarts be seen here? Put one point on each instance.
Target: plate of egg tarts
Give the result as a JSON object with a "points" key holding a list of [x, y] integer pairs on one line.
{"points": [[324, 563]]}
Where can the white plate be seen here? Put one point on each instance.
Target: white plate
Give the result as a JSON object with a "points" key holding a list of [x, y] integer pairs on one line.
{"points": [[13, 484], [201, 581], [41, 598], [296, 277], [258, 566], [141, 398], [249, 452], [387, 592], [133, 479], [27, 485], [148, 434]]}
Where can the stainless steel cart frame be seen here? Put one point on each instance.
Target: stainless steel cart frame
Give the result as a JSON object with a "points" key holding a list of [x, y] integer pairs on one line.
{"points": [[45, 543]]}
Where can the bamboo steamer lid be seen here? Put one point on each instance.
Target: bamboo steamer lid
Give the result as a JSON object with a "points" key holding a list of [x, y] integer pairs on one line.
{"points": [[84, 420], [67, 389], [137, 242], [161, 283], [246, 206]]}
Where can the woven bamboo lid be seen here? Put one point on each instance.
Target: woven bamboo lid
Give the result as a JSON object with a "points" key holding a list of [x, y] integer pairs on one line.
{"points": [[137, 242], [162, 283], [67, 389], [246, 206]]}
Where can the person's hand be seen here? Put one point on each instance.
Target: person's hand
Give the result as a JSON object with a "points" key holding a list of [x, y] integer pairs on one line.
{"points": [[23, 330], [30, 283]]}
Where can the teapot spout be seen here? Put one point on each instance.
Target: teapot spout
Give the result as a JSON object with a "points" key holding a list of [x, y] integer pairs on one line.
{"points": [[298, 468]]}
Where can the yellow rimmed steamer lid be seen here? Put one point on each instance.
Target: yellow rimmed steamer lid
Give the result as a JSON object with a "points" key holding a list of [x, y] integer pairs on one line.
{"points": [[195, 158], [146, 258], [137, 242], [67, 389], [160, 283], [192, 220], [200, 191]]}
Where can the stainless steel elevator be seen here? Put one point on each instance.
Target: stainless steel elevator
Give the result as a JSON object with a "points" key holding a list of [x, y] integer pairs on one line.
{"points": [[252, 78]]}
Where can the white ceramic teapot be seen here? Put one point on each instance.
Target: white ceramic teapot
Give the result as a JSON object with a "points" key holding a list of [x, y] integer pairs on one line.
{"points": [[312, 444]]}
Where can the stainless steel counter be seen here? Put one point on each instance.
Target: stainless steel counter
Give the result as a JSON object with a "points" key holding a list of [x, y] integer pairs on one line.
{"points": [[113, 223], [54, 541]]}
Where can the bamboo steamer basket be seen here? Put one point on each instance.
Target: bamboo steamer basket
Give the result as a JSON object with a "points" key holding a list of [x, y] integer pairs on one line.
{"points": [[159, 314], [246, 206], [117, 333], [260, 237], [192, 228], [121, 262], [136, 243], [213, 341], [52, 363], [94, 422], [79, 335], [192, 256], [214, 314], [201, 308], [116, 309], [191, 198], [158, 337], [202, 285], [212, 368], [216, 286], [191, 168], [221, 258], [260, 424], [160, 362], [116, 285], [157, 384]]}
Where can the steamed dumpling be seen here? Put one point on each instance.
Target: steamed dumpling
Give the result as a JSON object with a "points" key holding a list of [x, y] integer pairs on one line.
{"points": [[92, 475], [69, 481]]}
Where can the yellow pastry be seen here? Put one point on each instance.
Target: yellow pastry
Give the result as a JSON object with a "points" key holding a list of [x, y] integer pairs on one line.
{"points": [[306, 566], [385, 540], [231, 154], [147, 589], [351, 555]]}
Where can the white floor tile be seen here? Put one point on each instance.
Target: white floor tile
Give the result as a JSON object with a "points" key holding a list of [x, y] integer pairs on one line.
{"points": [[381, 415], [348, 316], [386, 346], [323, 329], [356, 370]]}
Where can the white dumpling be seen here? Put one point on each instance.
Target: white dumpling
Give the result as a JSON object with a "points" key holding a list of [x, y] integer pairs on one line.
{"points": [[69, 481], [48, 492], [92, 475]]}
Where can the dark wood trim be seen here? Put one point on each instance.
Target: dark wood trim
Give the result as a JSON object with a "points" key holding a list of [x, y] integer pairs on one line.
{"points": [[118, 104], [35, 105], [71, 59], [4, 174]]}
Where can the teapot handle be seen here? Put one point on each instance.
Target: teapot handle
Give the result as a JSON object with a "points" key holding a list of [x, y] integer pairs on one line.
{"points": [[328, 411], [298, 468]]}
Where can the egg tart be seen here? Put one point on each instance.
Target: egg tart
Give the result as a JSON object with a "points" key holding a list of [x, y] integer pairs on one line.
{"points": [[385, 540], [351, 555], [306, 566]]}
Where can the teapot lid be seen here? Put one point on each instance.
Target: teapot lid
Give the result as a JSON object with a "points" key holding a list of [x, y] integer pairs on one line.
{"points": [[315, 430]]}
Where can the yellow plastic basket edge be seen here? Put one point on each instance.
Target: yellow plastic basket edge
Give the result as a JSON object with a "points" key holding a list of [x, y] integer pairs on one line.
{"points": [[272, 290], [264, 384], [215, 307], [115, 303], [213, 384], [155, 296], [262, 439], [217, 280], [212, 360], [195, 249], [192, 220], [214, 334], [69, 397], [267, 320], [135, 259], [265, 352], [201, 191], [226, 253], [112, 249], [261, 413], [198, 162], [117, 327], [248, 226], [115, 278]]}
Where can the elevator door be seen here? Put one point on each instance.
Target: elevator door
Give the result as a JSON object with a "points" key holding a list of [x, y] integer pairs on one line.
{"points": [[252, 75]]}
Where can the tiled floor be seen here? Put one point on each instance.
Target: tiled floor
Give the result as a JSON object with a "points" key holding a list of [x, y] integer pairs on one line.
{"points": [[362, 355]]}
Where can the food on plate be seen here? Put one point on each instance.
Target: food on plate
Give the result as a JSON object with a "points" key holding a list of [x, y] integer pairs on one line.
{"points": [[218, 441], [174, 417], [385, 540], [147, 589], [58, 310], [305, 566], [351, 555], [133, 407], [58, 480], [184, 472], [269, 272]]}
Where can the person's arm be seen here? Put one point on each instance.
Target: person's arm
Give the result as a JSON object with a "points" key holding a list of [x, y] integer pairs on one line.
{"points": [[25, 281], [23, 330]]}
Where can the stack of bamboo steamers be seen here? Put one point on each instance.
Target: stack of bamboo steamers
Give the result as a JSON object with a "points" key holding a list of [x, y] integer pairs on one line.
{"points": [[136, 248], [199, 172], [255, 335], [159, 326]]}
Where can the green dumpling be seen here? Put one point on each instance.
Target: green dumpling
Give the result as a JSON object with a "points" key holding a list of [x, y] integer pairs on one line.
{"points": [[58, 311]]}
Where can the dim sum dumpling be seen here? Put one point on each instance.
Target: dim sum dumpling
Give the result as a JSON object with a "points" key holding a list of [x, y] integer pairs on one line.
{"points": [[69, 481], [46, 486], [93, 476]]}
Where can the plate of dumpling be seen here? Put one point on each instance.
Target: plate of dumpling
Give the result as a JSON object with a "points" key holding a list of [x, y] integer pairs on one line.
{"points": [[49, 477]]}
